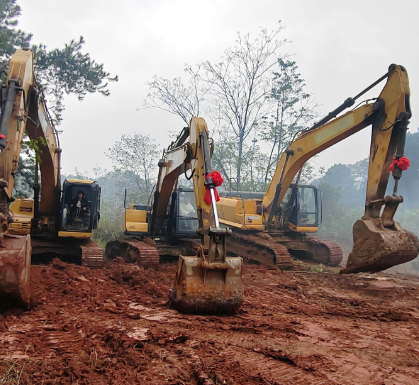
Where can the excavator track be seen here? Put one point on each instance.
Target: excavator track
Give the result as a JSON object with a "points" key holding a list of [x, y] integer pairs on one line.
{"points": [[134, 251], [310, 249], [92, 255], [260, 247], [336, 254]]}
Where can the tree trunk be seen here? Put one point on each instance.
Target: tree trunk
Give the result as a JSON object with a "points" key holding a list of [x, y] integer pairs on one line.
{"points": [[239, 162]]}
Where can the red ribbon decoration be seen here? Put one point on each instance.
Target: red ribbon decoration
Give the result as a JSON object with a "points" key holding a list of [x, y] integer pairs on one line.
{"points": [[218, 181], [402, 163]]}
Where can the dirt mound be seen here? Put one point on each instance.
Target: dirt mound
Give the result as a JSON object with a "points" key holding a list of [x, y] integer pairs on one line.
{"points": [[113, 326]]}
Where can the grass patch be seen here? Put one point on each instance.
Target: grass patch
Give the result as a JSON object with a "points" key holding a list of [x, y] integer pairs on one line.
{"points": [[11, 371]]}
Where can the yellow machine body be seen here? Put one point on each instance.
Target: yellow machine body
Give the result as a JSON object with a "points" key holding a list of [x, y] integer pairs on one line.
{"points": [[135, 221], [379, 241], [31, 225]]}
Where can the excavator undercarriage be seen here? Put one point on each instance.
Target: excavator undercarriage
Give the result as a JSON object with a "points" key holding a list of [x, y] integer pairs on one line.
{"points": [[78, 251], [278, 248]]}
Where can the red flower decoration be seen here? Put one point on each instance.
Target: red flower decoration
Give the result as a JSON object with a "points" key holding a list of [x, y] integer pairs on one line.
{"points": [[218, 181], [402, 163]]}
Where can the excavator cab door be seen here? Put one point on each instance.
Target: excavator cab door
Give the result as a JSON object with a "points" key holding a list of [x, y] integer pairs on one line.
{"points": [[187, 217], [80, 217], [303, 206]]}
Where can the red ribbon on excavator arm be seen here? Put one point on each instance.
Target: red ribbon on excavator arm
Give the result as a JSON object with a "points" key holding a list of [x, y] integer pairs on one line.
{"points": [[402, 163], [217, 179]]}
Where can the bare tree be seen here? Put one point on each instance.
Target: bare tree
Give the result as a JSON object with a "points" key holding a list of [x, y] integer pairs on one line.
{"points": [[242, 84], [175, 97], [134, 157]]}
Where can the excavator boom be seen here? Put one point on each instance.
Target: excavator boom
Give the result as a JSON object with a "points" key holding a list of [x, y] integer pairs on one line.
{"points": [[31, 228], [379, 241]]}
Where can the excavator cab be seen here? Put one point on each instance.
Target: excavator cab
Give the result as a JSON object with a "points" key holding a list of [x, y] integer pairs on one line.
{"points": [[83, 217], [302, 207]]}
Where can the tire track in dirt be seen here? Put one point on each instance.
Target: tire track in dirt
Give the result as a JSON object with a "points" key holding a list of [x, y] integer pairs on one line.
{"points": [[273, 371], [112, 326]]}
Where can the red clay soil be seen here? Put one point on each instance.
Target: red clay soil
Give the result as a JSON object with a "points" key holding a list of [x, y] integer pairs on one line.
{"points": [[113, 326]]}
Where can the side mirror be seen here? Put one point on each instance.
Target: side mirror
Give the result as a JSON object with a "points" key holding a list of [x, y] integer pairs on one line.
{"points": [[125, 199]]}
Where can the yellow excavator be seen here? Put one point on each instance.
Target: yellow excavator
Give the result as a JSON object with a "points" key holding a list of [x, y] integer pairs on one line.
{"points": [[182, 221], [268, 228], [48, 225]]}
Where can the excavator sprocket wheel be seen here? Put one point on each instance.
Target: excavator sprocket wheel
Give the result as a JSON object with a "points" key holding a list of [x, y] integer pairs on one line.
{"points": [[15, 265], [199, 290], [378, 248]]}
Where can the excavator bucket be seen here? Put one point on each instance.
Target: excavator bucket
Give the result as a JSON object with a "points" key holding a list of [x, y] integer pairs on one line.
{"points": [[207, 287], [15, 264], [377, 248]]}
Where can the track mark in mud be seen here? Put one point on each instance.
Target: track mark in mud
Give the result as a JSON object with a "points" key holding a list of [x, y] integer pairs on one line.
{"points": [[272, 370], [91, 326]]}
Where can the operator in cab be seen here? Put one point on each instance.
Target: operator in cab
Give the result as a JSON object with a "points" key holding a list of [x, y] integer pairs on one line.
{"points": [[185, 207], [79, 202], [78, 208]]}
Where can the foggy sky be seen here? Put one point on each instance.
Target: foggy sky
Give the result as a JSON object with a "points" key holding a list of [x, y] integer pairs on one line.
{"points": [[340, 46]]}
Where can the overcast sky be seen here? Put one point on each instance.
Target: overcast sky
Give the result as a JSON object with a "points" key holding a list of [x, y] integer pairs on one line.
{"points": [[340, 46]]}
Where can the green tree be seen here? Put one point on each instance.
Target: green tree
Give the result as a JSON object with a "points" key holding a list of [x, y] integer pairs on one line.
{"points": [[11, 37], [338, 220], [135, 157], [111, 220], [293, 111], [58, 72], [69, 71], [24, 178]]}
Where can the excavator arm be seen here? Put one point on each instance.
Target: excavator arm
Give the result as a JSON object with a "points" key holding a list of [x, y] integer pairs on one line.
{"points": [[388, 115], [209, 281], [379, 241]]}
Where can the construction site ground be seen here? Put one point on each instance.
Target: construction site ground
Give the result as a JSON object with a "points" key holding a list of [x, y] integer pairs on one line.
{"points": [[113, 326]]}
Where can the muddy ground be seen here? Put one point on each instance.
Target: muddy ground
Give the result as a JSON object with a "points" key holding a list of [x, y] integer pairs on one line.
{"points": [[113, 326]]}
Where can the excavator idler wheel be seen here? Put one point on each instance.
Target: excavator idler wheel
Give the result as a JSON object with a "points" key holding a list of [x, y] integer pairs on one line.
{"points": [[213, 290], [377, 248], [15, 265]]}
